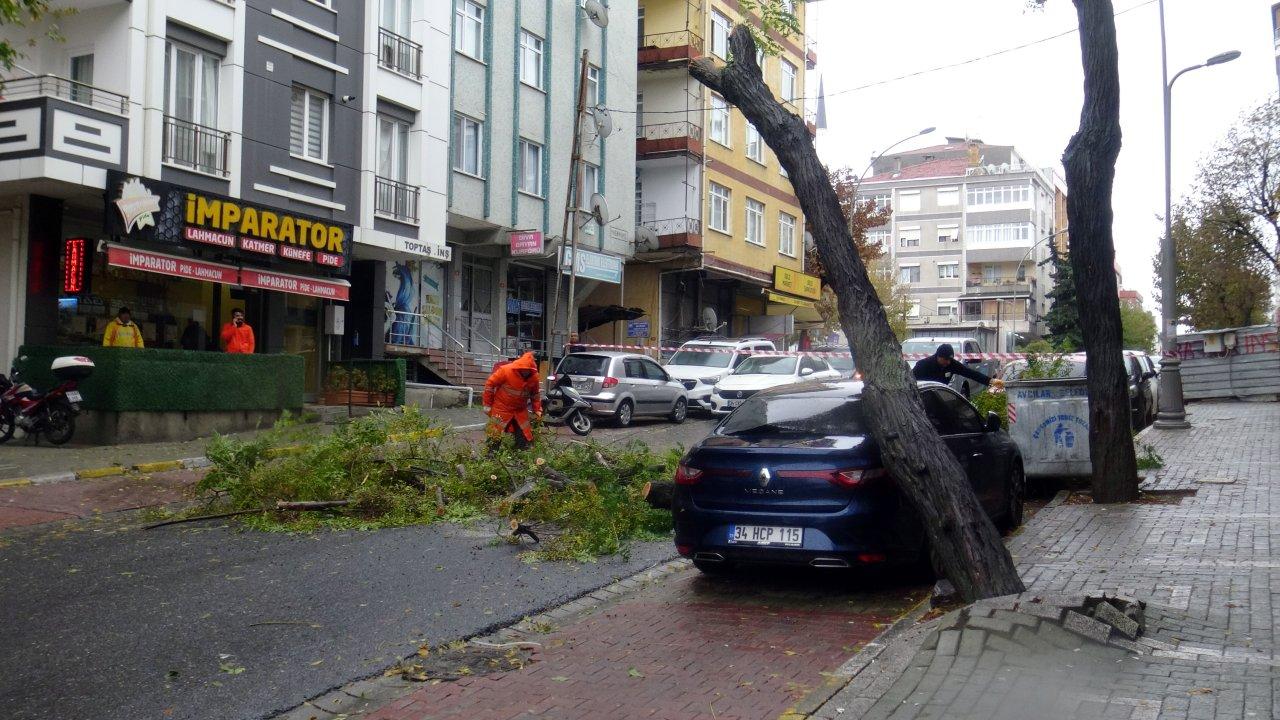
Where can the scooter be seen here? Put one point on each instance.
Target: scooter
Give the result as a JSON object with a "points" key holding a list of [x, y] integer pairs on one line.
{"points": [[564, 406], [51, 414]]}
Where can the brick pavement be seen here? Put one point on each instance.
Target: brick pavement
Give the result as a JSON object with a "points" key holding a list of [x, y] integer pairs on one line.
{"points": [[36, 504], [1203, 563]]}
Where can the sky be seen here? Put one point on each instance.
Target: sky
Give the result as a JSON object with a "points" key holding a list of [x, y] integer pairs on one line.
{"points": [[1030, 98]]}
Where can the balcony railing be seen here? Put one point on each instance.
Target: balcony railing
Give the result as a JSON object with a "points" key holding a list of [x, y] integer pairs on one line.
{"points": [[399, 53], [395, 199], [668, 139], [676, 232], [662, 48], [196, 146], [999, 286], [64, 89]]}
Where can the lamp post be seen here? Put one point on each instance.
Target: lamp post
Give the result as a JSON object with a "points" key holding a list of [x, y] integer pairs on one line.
{"points": [[1172, 414]]}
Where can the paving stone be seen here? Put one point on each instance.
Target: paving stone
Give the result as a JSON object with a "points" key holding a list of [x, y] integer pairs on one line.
{"points": [[1086, 626], [971, 641]]}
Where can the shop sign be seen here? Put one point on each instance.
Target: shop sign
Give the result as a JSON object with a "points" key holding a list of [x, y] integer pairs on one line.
{"points": [[594, 266], [797, 283], [527, 242], [637, 328], [524, 307], [788, 300], [313, 287], [435, 251], [170, 265], [141, 208]]}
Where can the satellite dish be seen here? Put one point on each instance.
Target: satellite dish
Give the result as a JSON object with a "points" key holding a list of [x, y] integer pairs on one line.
{"points": [[710, 320], [597, 13], [602, 120], [599, 209], [646, 239]]}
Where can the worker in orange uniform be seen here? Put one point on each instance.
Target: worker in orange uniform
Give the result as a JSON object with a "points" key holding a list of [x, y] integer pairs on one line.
{"points": [[237, 335], [507, 395]]}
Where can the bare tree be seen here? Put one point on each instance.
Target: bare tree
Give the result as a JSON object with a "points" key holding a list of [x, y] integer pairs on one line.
{"points": [[1090, 162], [963, 540]]}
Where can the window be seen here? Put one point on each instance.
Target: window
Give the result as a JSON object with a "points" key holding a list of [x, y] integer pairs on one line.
{"points": [[191, 85], [396, 16], [948, 196], [910, 273], [654, 371], [531, 168], [909, 237], [468, 28], [1000, 234], [634, 369], [948, 233], [308, 124], [82, 73], [947, 308], [909, 201], [590, 185], [948, 271], [966, 419], [914, 310], [593, 85], [755, 146], [760, 59], [878, 238], [788, 85], [719, 35], [999, 195], [640, 26], [755, 222], [786, 234], [531, 59], [719, 215], [972, 308], [467, 144], [720, 120], [393, 149], [882, 200]]}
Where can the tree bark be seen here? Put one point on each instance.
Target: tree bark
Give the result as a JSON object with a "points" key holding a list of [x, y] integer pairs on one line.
{"points": [[1090, 162], [963, 539]]}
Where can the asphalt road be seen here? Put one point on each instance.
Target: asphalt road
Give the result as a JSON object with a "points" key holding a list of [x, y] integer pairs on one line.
{"points": [[99, 619]]}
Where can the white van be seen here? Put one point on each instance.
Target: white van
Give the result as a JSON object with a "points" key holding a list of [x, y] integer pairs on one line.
{"points": [[704, 361]]}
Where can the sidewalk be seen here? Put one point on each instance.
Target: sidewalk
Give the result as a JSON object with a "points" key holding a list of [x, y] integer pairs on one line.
{"points": [[1203, 564]]}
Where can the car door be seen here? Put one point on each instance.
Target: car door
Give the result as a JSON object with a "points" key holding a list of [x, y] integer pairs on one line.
{"points": [[664, 392], [638, 384], [964, 436]]}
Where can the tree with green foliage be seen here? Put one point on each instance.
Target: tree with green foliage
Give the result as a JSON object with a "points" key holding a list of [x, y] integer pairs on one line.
{"points": [[1221, 277], [1063, 317], [1139, 328]]}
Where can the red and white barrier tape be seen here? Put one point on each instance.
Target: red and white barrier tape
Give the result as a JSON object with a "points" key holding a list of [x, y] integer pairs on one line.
{"points": [[788, 353]]}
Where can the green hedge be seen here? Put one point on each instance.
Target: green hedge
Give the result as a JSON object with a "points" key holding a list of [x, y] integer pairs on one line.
{"points": [[395, 367], [126, 379]]}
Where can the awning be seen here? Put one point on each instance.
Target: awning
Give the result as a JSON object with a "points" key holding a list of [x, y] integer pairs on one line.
{"points": [[328, 288], [781, 299], [595, 315], [803, 310], [182, 267]]}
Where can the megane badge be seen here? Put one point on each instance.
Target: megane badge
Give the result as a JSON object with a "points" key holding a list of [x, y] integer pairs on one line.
{"points": [[764, 477]]}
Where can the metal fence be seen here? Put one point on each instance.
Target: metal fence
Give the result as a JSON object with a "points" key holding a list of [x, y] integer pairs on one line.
{"points": [[669, 130], [1242, 363], [399, 53], [395, 199], [196, 146], [59, 87]]}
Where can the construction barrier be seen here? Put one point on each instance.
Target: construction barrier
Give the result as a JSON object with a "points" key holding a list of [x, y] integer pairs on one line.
{"points": [[786, 353]]}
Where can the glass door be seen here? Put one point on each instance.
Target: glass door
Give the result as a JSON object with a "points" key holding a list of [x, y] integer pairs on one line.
{"points": [[302, 337], [477, 329]]}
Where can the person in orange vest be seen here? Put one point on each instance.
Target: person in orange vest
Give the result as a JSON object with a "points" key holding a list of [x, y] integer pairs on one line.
{"points": [[507, 395], [237, 336], [122, 332]]}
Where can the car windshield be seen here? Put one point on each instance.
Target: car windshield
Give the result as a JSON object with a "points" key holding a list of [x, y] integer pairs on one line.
{"points": [[702, 358], [844, 365], [593, 365], [767, 365], [798, 414], [925, 347]]}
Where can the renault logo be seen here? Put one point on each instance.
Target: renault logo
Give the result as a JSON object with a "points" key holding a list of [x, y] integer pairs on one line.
{"points": [[764, 477]]}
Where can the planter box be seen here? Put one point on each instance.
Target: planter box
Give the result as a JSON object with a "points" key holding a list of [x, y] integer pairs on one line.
{"points": [[359, 397]]}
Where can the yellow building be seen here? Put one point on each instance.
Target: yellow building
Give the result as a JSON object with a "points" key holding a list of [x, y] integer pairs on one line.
{"points": [[715, 212]]}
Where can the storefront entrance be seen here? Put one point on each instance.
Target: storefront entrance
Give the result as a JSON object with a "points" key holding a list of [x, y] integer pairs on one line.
{"points": [[526, 309], [302, 333], [476, 320]]}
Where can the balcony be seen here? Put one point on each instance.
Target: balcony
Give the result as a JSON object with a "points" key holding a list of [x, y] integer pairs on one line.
{"points": [[998, 286], [195, 146], [395, 200], [52, 86], [810, 54], [668, 49], [675, 233], [51, 117], [668, 139], [399, 53]]}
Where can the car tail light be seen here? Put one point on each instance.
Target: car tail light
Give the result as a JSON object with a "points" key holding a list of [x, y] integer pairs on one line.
{"points": [[856, 477], [871, 557], [857, 376], [686, 475], [609, 382], [685, 550]]}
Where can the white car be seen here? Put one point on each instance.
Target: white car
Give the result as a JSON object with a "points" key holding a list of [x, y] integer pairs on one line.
{"points": [[700, 364], [761, 372]]}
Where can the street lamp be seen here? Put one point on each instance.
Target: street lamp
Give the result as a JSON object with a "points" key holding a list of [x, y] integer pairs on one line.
{"points": [[1172, 413]]}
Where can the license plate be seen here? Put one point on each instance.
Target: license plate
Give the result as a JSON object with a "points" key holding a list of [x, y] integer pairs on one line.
{"points": [[731, 404], [764, 535], [73, 396]]}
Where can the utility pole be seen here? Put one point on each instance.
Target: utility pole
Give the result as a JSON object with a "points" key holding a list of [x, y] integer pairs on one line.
{"points": [[571, 211]]}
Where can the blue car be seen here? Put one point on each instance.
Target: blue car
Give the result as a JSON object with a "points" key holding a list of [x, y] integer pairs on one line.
{"points": [[793, 477]]}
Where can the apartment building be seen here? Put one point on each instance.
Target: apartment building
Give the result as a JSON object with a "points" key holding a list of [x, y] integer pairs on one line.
{"points": [[720, 241], [187, 157], [516, 69], [970, 235]]}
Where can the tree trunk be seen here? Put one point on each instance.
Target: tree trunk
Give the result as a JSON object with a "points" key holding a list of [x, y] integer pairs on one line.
{"points": [[1090, 163], [962, 537]]}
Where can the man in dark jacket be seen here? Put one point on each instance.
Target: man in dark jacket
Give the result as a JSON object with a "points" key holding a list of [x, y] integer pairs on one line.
{"points": [[940, 366]]}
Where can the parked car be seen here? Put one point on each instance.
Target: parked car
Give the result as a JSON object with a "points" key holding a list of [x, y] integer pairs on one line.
{"points": [[792, 476], [760, 372], [844, 365], [701, 363], [624, 385], [962, 346]]}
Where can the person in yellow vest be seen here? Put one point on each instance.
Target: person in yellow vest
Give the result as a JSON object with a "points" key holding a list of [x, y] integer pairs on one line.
{"points": [[122, 332]]}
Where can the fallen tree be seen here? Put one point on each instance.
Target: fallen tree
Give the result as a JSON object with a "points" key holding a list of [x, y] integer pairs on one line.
{"points": [[964, 542]]}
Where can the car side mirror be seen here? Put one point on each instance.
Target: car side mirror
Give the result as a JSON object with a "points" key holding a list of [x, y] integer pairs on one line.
{"points": [[993, 421], [806, 372]]}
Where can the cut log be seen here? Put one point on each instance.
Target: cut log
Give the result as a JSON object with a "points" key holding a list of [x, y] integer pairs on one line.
{"points": [[520, 492], [660, 494], [557, 479], [933, 481]]}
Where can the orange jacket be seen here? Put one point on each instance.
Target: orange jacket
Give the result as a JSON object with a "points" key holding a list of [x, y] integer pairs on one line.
{"points": [[237, 339], [507, 395]]}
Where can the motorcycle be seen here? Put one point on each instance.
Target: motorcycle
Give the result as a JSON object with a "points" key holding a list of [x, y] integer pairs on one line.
{"points": [[51, 414], [564, 406]]}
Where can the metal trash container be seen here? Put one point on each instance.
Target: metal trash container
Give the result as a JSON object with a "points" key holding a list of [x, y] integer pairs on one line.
{"points": [[1049, 420]]}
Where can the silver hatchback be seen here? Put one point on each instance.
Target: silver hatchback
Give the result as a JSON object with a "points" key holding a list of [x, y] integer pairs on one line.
{"points": [[624, 385]]}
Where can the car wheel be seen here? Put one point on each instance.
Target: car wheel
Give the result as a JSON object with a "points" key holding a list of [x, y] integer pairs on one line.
{"points": [[680, 412], [625, 414], [1015, 504], [714, 568]]}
